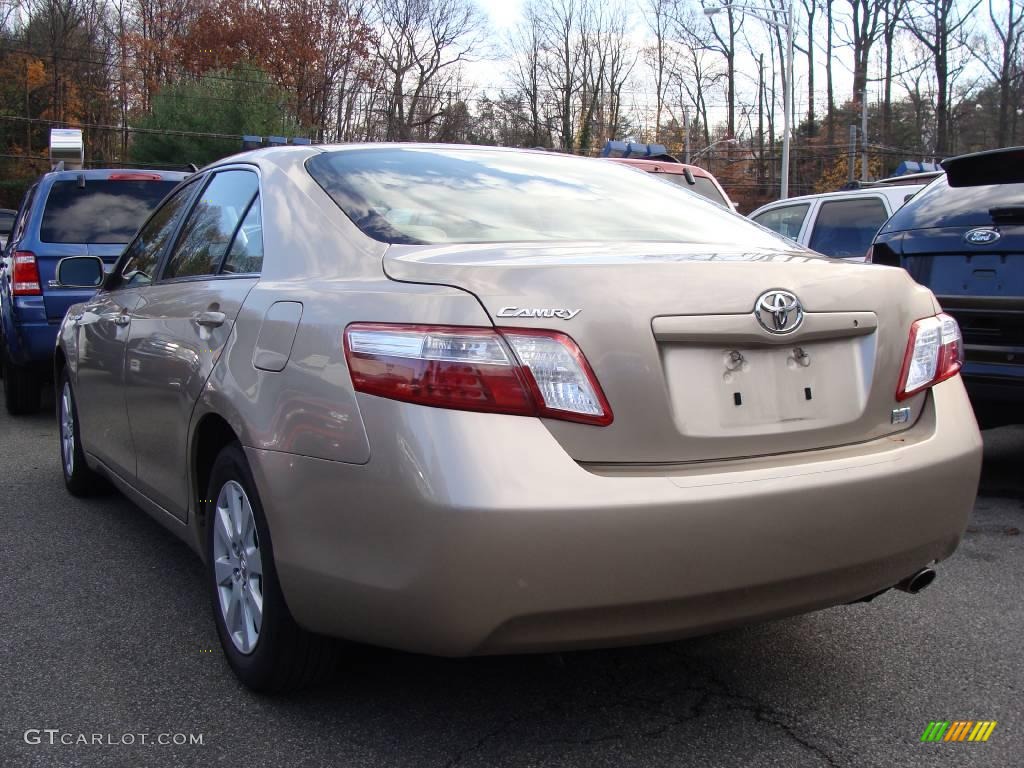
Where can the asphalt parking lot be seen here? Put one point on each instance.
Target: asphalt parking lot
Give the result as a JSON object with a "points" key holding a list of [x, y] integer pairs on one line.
{"points": [[105, 629]]}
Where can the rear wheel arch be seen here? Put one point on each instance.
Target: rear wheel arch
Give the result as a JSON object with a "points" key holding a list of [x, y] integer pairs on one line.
{"points": [[60, 362], [211, 435]]}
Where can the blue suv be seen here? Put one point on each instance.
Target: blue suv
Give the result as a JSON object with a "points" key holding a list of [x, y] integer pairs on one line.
{"points": [[963, 237], [64, 213]]}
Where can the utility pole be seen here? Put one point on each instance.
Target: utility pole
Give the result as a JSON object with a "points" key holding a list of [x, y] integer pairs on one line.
{"points": [[760, 121], [787, 100], [852, 171], [864, 135]]}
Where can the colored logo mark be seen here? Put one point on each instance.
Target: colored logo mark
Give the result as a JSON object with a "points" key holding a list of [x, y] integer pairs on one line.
{"points": [[958, 730]]}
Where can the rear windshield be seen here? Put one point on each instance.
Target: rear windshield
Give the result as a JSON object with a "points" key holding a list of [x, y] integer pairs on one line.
{"points": [[940, 205], [103, 211], [419, 195], [702, 185]]}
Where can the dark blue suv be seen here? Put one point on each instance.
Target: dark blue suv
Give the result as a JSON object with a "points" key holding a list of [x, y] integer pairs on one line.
{"points": [[64, 213], [963, 237]]}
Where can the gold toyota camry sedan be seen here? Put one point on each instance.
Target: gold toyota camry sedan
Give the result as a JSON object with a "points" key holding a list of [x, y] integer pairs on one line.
{"points": [[463, 400]]}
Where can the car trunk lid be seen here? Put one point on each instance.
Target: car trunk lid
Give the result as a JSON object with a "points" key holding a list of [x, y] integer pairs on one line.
{"points": [[671, 335]]}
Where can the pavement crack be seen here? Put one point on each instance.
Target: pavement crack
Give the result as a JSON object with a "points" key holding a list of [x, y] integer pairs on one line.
{"points": [[479, 744]]}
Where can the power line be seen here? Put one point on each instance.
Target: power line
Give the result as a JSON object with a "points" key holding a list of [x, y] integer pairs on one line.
{"points": [[119, 128]]}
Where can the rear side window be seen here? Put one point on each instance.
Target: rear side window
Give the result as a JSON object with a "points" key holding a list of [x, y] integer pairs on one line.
{"points": [[786, 219], [845, 228], [26, 205], [100, 211], [246, 253], [212, 224]]}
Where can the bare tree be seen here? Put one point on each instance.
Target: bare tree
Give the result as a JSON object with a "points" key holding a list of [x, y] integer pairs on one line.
{"points": [[725, 44], [420, 47], [892, 18], [527, 72], [942, 26], [810, 8], [830, 112], [564, 37], [1003, 61], [659, 53], [621, 59], [863, 29], [697, 73]]}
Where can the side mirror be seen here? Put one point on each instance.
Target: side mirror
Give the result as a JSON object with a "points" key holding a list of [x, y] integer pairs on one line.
{"points": [[80, 272]]}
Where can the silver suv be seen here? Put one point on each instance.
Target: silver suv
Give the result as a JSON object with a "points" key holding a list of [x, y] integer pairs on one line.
{"points": [[837, 224]]}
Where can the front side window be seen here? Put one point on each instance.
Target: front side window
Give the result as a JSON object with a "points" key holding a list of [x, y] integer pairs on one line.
{"points": [[786, 219], [419, 195], [99, 210], [845, 228], [144, 252], [212, 224]]}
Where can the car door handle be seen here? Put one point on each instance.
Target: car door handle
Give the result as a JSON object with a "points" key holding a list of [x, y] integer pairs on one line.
{"points": [[209, 319]]}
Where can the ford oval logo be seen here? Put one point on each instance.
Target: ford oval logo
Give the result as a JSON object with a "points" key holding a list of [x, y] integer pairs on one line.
{"points": [[982, 236]]}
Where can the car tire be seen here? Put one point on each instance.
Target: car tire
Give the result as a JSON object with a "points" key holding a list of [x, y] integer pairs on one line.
{"points": [[21, 388], [265, 647], [79, 479]]}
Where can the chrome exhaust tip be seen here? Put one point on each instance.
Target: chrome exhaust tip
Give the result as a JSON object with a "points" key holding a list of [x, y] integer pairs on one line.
{"points": [[917, 582]]}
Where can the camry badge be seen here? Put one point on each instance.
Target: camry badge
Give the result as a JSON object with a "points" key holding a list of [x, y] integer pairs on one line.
{"points": [[778, 311], [982, 236], [561, 314]]}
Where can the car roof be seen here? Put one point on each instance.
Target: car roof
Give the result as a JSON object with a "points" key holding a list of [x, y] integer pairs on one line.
{"points": [[661, 166], [922, 177], [92, 174]]}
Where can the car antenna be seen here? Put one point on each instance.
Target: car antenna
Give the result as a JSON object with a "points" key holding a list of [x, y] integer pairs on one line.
{"points": [[193, 167], [689, 176]]}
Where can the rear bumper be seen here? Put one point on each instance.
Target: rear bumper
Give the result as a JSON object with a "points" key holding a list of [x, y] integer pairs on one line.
{"points": [[522, 549], [29, 336]]}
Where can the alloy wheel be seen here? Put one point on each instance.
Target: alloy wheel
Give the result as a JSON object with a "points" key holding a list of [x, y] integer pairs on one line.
{"points": [[238, 567], [67, 430]]}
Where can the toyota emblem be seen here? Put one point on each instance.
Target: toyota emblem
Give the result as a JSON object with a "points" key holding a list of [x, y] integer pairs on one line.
{"points": [[778, 311]]}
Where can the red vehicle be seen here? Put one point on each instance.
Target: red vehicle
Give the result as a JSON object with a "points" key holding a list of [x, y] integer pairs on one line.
{"points": [[688, 176]]}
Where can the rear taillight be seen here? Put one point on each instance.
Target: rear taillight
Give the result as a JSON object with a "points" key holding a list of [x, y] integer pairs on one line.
{"points": [[870, 255], [522, 372], [935, 353], [25, 280], [135, 177]]}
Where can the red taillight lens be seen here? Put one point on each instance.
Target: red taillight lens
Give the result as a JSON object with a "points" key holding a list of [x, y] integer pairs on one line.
{"points": [[25, 280], [518, 372], [935, 352], [870, 255]]}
